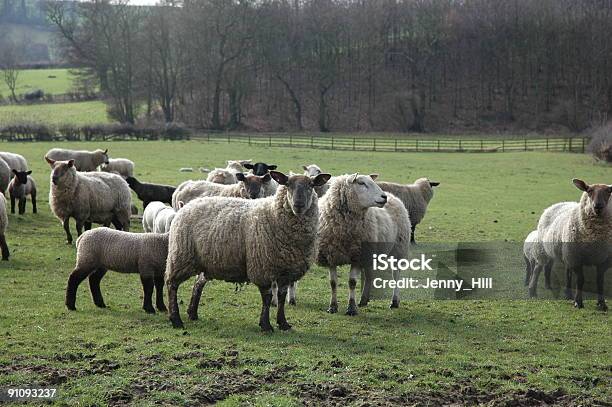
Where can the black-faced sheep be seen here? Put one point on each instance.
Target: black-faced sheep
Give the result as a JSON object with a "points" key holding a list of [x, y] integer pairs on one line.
{"points": [[151, 192], [264, 240], [83, 160], [20, 187]]}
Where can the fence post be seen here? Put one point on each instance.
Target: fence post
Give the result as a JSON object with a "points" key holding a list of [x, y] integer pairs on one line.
{"points": [[460, 148], [546, 143], [481, 146], [438, 145], [583, 145], [417, 145], [249, 139], [353, 143], [290, 141], [374, 143], [228, 138], [332, 142], [525, 144], [396, 145], [269, 140], [208, 136], [311, 141], [570, 145], [503, 145]]}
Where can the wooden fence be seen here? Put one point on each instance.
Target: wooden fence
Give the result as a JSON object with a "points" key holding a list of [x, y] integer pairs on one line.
{"points": [[347, 143]]}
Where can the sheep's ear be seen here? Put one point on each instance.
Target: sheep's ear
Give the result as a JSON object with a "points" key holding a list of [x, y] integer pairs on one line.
{"points": [[50, 161], [279, 177], [272, 167], [70, 163], [106, 151], [374, 176], [321, 179], [353, 178], [580, 184], [14, 171], [29, 172], [305, 168], [266, 178], [433, 184], [248, 166], [181, 204], [242, 162], [240, 176]]}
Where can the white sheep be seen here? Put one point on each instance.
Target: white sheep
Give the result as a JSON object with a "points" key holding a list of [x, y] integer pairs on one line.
{"points": [[312, 170], [103, 249], [83, 160], [149, 215], [533, 251], [237, 166], [121, 166], [88, 197], [222, 176], [164, 219], [415, 197], [355, 213], [3, 226], [250, 186], [20, 187], [245, 240], [15, 161]]}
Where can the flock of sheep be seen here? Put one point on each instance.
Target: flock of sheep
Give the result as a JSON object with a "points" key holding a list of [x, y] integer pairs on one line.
{"points": [[248, 222]]}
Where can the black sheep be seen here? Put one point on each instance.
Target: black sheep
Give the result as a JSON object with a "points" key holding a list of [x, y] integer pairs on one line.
{"points": [[151, 192]]}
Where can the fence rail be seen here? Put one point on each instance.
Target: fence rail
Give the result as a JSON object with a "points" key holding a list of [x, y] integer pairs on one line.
{"points": [[568, 144]]}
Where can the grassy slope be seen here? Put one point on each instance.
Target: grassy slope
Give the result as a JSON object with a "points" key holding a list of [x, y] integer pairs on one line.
{"points": [[425, 352], [30, 79], [80, 113]]}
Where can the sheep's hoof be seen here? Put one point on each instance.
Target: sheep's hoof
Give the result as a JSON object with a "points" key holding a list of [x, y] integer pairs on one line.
{"points": [[333, 308], [284, 326], [394, 304], [273, 304], [578, 304], [601, 305], [351, 310], [292, 302], [266, 327]]}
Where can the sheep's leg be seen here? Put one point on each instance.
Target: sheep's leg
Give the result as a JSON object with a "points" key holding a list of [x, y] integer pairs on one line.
{"points": [[568, 284], [547, 273], [412, 229], [147, 288], [67, 230], [34, 210], [395, 300], [174, 315], [533, 284], [12, 203], [528, 270], [196, 294], [94, 287], [292, 293], [79, 228], [579, 286], [22, 205], [281, 320], [601, 299], [76, 278], [266, 299], [4, 248], [116, 223], [159, 293], [366, 283], [274, 302], [352, 307], [333, 283]]}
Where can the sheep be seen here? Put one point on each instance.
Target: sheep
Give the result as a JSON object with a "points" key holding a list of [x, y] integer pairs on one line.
{"points": [[3, 225], [236, 166], [20, 187], [354, 212], [533, 251], [242, 240], [250, 187], [88, 197], [14, 161], [415, 197], [149, 215], [103, 249], [151, 192], [83, 160], [222, 176], [164, 219], [586, 233], [5, 176], [313, 170], [121, 166]]}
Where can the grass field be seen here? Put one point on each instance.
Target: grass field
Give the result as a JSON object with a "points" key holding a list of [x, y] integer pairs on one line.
{"points": [[504, 352], [51, 81], [55, 114]]}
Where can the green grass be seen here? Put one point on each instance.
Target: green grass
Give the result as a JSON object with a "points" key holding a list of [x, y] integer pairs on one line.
{"points": [[51, 81], [55, 114], [425, 353]]}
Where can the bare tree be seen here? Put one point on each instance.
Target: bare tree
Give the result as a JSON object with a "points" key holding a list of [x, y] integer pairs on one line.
{"points": [[10, 58]]}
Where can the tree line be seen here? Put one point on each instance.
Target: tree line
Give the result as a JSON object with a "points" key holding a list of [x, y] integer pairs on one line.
{"points": [[351, 65]]}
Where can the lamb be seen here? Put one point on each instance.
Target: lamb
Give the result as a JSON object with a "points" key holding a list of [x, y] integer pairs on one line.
{"points": [[88, 197], [313, 170], [164, 219], [5, 176], [121, 166], [222, 176], [415, 197], [533, 251], [151, 192], [20, 187], [354, 213], [250, 187], [3, 225], [209, 236], [149, 215], [83, 160], [103, 249], [14, 161]]}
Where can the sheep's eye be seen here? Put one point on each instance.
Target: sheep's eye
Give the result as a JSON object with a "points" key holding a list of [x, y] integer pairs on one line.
{"points": [[361, 183]]}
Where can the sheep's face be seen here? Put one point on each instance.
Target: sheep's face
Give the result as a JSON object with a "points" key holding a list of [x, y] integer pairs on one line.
{"points": [[300, 189], [367, 191], [311, 170], [104, 154], [260, 168], [222, 176], [252, 184], [598, 195], [21, 177], [62, 171]]}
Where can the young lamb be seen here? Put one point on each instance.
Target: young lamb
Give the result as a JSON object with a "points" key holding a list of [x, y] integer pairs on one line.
{"points": [[151, 192], [222, 176], [313, 170], [356, 212], [14, 161], [587, 237], [149, 215], [250, 187], [5, 176], [83, 160], [88, 197], [533, 252], [415, 197], [164, 219], [121, 166], [3, 225], [103, 249], [20, 187], [264, 240]]}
